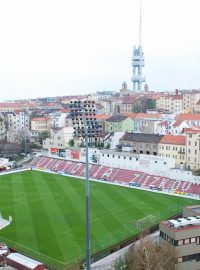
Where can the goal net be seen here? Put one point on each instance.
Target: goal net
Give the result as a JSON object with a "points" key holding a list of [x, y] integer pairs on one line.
{"points": [[146, 222]]}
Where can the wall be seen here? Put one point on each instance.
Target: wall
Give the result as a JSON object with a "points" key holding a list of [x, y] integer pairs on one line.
{"points": [[156, 165]]}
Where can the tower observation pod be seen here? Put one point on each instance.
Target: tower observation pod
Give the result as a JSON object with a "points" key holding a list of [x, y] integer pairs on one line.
{"points": [[138, 61]]}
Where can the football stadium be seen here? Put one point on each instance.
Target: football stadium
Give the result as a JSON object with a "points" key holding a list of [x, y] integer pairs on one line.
{"points": [[48, 214]]}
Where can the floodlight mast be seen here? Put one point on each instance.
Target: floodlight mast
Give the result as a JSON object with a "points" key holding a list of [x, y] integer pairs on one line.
{"points": [[85, 125]]}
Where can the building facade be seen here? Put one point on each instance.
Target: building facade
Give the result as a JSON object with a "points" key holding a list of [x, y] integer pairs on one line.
{"points": [[193, 149], [140, 143], [119, 123], [183, 236], [41, 124], [173, 146], [190, 99]]}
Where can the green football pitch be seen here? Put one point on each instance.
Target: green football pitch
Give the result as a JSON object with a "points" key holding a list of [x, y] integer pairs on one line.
{"points": [[48, 213]]}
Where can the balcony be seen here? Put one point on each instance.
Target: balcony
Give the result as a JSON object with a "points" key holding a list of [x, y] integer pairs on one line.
{"points": [[181, 152]]}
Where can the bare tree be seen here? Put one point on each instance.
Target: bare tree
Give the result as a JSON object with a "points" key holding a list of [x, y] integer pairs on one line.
{"points": [[145, 254]]}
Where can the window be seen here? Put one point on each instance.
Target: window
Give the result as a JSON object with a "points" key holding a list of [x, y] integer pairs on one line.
{"points": [[130, 158], [195, 152], [180, 242], [189, 142], [108, 155], [124, 157], [118, 156], [195, 143], [186, 241], [193, 240], [198, 240], [113, 156], [180, 259]]}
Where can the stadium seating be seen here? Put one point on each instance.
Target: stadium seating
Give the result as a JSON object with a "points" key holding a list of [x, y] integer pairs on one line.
{"points": [[116, 175]]}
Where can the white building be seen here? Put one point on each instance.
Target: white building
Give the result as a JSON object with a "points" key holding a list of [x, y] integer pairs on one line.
{"points": [[125, 160], [59, 139], [171, 127], [58, 119]]}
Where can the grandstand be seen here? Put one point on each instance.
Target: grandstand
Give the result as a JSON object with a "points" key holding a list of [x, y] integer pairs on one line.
{"points": [[121, 176]]}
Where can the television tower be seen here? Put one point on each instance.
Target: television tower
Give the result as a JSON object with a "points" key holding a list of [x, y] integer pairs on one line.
{"points": [[138, 61]]}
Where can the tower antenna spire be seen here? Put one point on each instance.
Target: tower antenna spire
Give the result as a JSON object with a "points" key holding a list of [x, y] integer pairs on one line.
{"points": [[140, 25], [138, 61]]}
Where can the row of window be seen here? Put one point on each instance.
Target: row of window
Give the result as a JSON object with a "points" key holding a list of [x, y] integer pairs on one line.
{"points": [[189, 258], [189, 151], [130, 158], [174, 148], [189, 159], [190, 143], [113, 156], [180, 242]]}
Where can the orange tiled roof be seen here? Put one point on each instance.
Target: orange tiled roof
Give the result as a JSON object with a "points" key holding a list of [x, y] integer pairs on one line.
{"points": [[173, 139], [177, 123], [148, 115], [40, 119], [188, 116], [131, 115], [11, 104], [103, 116]]}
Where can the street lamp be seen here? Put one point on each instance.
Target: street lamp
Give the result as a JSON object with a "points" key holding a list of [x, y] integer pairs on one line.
{"points": [[83, 114]]}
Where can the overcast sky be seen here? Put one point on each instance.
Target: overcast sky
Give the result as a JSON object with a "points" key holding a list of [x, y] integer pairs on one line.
{"points": [[63, 47]]}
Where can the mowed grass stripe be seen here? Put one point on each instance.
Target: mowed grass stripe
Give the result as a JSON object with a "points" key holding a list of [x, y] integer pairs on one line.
{"points": [[7, 201], [60, 219], [72, 216], [25, 224], [104, 218], [48, 243], [21, 213], [74, 190]]}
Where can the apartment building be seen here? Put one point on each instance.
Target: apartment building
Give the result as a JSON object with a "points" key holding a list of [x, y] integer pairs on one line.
{"points": [[59, 138], [192, 119], [193, 149], [2, 128], [171, 103], [173, 146], [146, 122], [140, 143], [183, 235], [190, 99], [119, 123], [40, 124], [58, 119]]}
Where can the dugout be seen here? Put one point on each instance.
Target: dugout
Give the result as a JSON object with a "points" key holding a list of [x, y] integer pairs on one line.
{"points": [[21, 262]]}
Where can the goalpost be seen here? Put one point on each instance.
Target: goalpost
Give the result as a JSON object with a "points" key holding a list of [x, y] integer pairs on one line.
{"points": [[146, 222]]}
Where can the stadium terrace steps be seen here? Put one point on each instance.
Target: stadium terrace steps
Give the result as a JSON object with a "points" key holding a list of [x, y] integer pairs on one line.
{"points": [[116, 174]]}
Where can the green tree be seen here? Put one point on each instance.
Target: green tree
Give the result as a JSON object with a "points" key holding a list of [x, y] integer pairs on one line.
{"points": [[71, 142]]}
